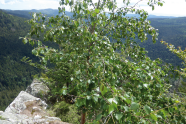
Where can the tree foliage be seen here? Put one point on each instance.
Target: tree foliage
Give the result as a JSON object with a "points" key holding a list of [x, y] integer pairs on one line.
{"points": [[110, 86], [180, 53], [182, 71]]}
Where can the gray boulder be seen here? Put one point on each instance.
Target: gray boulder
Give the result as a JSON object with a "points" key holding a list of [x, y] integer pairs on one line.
{"points": [[37, 88], [28, 109]]}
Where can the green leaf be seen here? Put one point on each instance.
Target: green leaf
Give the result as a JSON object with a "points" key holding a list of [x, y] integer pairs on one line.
{"points": [[94, 14], [134, 106], [95, 97], [71, 78], [81, 102], [158, 116], [98, 117], [97, 10], [25, 40], [145, 85], [143, 121], [128, 101], [89, 97], [64, 92], [126, 108], [34, 52], [39, 43], [111, 100], [112, 107], [78, 72], [32, 42], [153, 116], [103, 89], [147, 109], [164, 113], [76, 23], [118, 115]]}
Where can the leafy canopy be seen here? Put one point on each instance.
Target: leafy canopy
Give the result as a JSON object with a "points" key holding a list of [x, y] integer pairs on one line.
{"points": [[100, 66]]}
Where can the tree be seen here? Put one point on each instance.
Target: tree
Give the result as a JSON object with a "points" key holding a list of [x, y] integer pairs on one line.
{"points": [[181, 54], [181, 71], [113, 82]]}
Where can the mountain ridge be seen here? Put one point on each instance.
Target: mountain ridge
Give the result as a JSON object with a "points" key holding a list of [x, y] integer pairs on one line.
{"points": [[54, 12]]}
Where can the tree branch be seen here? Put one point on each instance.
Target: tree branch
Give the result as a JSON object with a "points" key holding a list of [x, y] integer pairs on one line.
{"points": [[93, 4], [134, 5], [98, 4]]}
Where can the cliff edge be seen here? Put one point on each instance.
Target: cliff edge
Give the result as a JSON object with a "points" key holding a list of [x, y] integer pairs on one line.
{"points": [[27, 108]]}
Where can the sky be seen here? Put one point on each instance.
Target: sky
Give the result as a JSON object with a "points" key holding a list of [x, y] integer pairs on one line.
{"points": [[175, 8]]}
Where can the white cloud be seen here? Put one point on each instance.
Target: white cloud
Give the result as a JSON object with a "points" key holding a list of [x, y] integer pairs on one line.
{"points": [[170, 8], [13, 1], [28, 4], [8, 1], [2, 1]]}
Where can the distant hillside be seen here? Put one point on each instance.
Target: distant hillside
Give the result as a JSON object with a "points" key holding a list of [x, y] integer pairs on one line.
{"points": [[149, 16], [53, 12], [171, 30], [26, 13], [14, 74]]}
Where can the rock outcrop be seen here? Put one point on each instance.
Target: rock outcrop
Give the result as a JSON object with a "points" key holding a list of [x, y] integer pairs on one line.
{"points": [[37, 88], [28, 109]]}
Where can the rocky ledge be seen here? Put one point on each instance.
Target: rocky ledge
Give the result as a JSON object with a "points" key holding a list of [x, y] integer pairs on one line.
{"points": [[28, 109]]}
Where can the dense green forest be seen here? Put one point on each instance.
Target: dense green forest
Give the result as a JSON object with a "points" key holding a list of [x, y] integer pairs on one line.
{"points": [[26, 13], [172, 31], [16, 75]]}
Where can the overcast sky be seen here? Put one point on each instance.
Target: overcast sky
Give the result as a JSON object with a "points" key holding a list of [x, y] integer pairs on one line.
{"points": [[170, 8]]}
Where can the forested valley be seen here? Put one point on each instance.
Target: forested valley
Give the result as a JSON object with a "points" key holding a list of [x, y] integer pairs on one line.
{"points": [[16, 75]]}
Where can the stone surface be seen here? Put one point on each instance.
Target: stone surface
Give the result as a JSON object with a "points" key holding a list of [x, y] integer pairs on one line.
{"points": [[28, 109], [36, 88], [23, 99]]}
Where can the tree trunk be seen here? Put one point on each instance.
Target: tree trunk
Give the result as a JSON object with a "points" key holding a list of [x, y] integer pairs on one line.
{"points": [[83, 118]]}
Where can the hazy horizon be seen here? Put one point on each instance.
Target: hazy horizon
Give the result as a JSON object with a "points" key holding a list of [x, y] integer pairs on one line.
{"points": [[176, 8]]}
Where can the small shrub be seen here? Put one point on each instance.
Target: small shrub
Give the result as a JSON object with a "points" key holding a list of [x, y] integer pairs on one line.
{"points": [[66, 112]]}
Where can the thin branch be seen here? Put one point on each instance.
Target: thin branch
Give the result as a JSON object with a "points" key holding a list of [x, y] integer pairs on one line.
{"points": [[116, 11], [112, 118], [98, 4], [113, 6], [107, 117], [101, 6], [107, 24], [109, 87], [93, 4], [134, 5]]}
